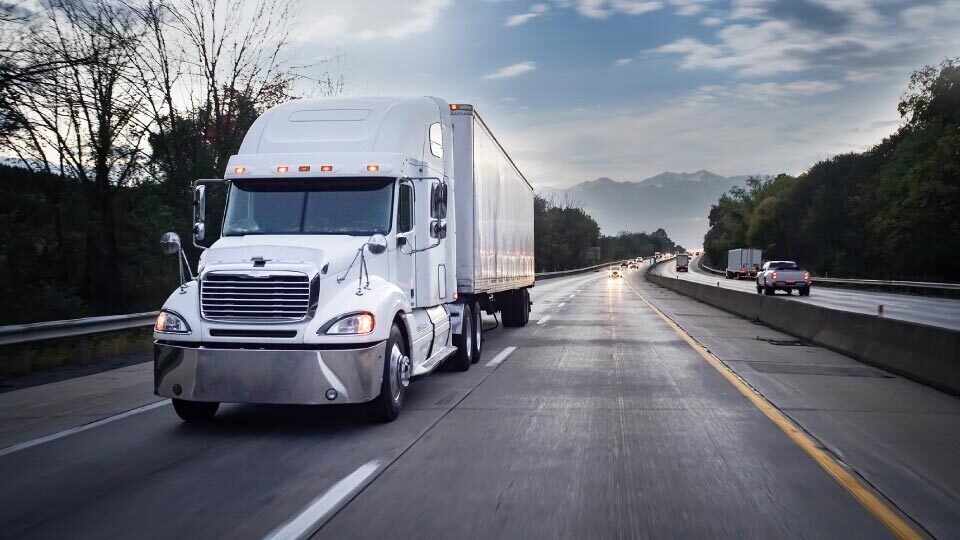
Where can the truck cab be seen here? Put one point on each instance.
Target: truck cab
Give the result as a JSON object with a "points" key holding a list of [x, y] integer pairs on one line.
{"points": [[334, 279]]}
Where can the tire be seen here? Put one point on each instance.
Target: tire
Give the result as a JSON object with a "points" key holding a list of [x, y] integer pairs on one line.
{"points": [[463, 358], [759, 289], [769, 291], [524, 307], [195, 411], [477, 332], [805, 291], [396, 377], [789, 292]]}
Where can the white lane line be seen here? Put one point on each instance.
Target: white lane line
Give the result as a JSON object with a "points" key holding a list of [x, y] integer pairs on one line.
{"points": [[573, 295], [501, 357], [561, 304], [544, 320], [317, 512], [61, 434]]}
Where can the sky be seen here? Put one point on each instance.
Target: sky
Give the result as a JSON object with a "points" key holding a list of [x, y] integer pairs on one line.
{"points": [[580, 89]]}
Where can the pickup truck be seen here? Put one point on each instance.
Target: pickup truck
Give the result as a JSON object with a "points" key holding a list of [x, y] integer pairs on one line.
{"points": [[783, 276]]}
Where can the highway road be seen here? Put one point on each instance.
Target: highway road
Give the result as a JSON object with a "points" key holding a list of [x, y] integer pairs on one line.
{"points": [[944, 312], [622, 411]]}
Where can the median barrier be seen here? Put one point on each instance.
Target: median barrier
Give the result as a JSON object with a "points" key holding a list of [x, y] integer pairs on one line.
{"points": [[926, 354]]}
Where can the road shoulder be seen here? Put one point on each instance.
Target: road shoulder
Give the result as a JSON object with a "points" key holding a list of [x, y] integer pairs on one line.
{"points": [[899, 436]]}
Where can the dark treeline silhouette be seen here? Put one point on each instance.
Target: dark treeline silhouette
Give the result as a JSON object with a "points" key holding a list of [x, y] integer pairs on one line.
{"points": [[109, 110], [566, 237], [891, 212]]}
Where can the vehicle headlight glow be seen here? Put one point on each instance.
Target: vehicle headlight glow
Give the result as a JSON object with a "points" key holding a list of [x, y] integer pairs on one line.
{"points": [[351, 324], [169, 322]]}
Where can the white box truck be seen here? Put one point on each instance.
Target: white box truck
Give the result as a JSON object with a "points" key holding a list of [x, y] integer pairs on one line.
{"points": [[743, 263], [683, 262], [361, 240]]}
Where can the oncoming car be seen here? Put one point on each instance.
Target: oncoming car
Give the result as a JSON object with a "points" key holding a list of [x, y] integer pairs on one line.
{"points": [[614, 272]]}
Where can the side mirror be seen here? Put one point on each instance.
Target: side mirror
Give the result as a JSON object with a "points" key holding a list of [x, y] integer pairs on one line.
{"points": [[199, 231], [438, 228], [377, 244], [200, 204], [170, 243]]}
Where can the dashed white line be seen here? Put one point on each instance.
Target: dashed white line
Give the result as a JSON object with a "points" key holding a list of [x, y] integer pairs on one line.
{"points": [[544, 320], [317, 512], [573, 295], [61, 434], [500, 357], [561, 304]]}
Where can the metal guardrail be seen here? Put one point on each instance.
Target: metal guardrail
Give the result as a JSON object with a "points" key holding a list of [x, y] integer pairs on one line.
{"points": [[25, 333]]}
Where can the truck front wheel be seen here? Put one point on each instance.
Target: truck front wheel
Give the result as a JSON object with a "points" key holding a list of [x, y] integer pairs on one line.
{"points": [[396, 378], [195, 411], [477, 332]]}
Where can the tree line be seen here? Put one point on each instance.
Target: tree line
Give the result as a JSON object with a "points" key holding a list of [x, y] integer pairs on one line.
{"points": [[890, 212], [567, 237], [110, 109]]}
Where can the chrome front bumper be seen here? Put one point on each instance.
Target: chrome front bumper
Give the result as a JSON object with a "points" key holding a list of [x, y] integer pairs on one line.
{"points": [[268, 376]]}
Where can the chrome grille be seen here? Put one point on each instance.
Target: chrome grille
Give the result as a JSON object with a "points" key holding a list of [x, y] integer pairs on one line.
{"points": [[268, 297]]}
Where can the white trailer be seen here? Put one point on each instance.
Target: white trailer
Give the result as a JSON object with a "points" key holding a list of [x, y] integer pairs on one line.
{"points": [[743, 263], [360, 242]]}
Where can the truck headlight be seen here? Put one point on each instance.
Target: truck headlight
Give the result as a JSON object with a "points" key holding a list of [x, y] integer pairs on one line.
{"points": [[169, 322], [350, 324]]}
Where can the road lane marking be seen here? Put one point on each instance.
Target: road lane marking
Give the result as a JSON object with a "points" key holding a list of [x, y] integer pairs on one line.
{"points": [[544, 320], [500, 357], [561, 304], [866, 496], [61, 434], [317, 512], [573, 295]]}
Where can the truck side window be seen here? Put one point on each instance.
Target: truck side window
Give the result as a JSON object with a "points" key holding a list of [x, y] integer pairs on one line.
{"points": [[405, 209], [436, 140]]}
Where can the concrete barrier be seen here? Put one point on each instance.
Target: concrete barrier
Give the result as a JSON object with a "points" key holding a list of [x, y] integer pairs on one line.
{"points": [[927, 354]]}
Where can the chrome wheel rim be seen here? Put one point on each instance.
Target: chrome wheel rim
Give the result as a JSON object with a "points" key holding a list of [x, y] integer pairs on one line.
{"points": [[468, 342], [478, 332], [399, 372]]}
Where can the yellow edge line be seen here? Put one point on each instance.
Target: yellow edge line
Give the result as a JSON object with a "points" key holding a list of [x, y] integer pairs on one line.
{"points": [[878, 507]]}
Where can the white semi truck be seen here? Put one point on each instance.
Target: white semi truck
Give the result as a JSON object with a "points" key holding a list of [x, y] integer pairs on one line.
{"points": [[743, 263], [362, 239]]}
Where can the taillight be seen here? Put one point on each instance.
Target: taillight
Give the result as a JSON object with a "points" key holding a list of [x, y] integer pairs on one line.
{"points": [[806, 276], [774, 276]]}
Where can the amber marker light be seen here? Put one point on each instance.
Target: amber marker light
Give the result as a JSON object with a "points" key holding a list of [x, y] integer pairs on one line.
{"points": [[326, 168], [373, 168], [283, 169], [239, 170], [304, 168]]}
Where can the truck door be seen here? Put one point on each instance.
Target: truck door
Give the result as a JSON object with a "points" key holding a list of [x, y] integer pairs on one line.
{"points": [[406, 239]]}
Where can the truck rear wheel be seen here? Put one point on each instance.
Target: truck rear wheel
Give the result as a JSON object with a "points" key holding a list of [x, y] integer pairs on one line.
{"points": [[396, 378], [515, 308], [463, 358], [804, 291], [768, 291], [195, 411]]}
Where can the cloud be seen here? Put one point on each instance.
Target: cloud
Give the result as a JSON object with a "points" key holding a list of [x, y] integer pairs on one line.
{"points": [[512, 70], [601, 9], [623, 61], [535, 11], [770, 94], [690, 7], [712, 21], [341, 22]]}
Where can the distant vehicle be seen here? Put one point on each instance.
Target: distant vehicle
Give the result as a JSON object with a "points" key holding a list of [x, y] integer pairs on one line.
{"points": [[783, 276], [683, 261], [633, 265], [623, 264], [614, 272], [743, 263], [656, 255]]}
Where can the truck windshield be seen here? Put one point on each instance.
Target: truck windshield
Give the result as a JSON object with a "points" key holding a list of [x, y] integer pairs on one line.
{"points": [[349, 206]]}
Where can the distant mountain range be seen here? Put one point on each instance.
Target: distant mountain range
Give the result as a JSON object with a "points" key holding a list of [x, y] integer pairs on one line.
{"points": [[677, 202]]}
